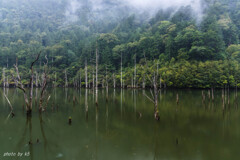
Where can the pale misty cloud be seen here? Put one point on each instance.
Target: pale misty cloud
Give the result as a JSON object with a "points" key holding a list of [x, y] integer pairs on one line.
{"points": [[99, 7], [71, 10]]}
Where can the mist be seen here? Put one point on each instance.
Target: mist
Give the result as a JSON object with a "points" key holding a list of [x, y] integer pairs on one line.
{"points": [[71, 10], [118, 9]]}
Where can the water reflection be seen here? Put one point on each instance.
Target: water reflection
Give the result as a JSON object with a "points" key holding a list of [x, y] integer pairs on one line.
{"points": [[86, 104], [195, 128]]}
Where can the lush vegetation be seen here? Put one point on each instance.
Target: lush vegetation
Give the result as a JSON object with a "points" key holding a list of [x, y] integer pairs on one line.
{"points": [[189, 53]]}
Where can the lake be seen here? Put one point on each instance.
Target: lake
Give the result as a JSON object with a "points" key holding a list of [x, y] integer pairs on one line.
{"points": [[122, 127]]}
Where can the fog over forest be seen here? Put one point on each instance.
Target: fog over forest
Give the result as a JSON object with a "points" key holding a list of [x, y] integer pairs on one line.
{"points": [[99, 9]]}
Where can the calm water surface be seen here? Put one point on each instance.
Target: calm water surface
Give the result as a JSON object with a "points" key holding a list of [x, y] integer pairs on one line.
{"points": [[123, 127]]}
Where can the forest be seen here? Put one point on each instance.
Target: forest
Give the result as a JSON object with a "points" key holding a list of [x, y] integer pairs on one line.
{"points": [[125, 48]]}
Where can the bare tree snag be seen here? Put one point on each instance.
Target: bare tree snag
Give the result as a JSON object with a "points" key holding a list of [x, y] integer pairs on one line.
{"points": [[135, 71], [160, 79], [10, 105], [86, 78], [96, 75], [44, 86], [132, 82], [31, 80], [212, 95], [47, 102], [93, 78], [36, 79], [21, 87], [89, 84], [55, 81], [7, 84], [66, 79], [28, 100], [114, 81], [106, 85], [121, 73], [154, 82], [86, 103], [80, 80], [4, 78], [143, 82]]}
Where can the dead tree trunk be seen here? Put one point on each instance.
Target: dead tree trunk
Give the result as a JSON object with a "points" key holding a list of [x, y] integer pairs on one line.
{"points": [[121, 73], [36, 79], [154, 98], [24, 91], [106, 77], [10, 105], [86, 78], [4, 78], [89, 84], [103, 83], [96, 76], [114, 81], [55, 81], [31, 81], [7, 84], [44, 86], [18, 79], [135, 72], [93, 78], [80, 79], [143, 82], [212, 95], [160, 85], [106, 85], [132, 82], [66, 79], [86, 103]]}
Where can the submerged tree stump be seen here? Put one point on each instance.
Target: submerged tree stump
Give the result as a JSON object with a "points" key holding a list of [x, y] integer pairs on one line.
{"points": [[70, 120]]}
